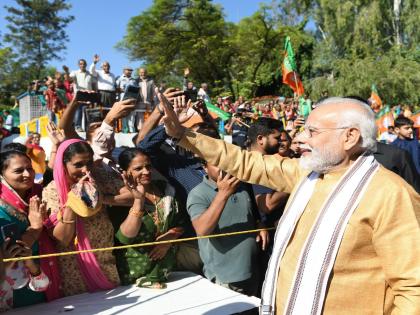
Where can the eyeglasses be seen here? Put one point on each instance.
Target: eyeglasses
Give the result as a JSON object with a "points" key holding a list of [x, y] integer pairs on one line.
{"points": [[311, 131]]}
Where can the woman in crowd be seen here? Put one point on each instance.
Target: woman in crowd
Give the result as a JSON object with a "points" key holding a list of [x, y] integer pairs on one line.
{"points": [[36, 153], [17, 190], [78, 221], [153, 217]]}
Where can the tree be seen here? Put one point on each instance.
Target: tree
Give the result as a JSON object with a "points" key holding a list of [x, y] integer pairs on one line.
{"points": [[363, 42], [37, 32], [174, 34], [260, 40]]}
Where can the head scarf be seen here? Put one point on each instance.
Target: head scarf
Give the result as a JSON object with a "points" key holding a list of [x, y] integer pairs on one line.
{"points": [[91, 272]]}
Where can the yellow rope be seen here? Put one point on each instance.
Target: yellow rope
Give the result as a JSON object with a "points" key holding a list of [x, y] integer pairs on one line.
{"points": [[94, 250]]}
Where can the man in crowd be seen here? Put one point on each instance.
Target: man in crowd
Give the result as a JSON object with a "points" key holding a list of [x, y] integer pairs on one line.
{"points": [[285, 144], [203, 92], [82, 80], [122, 82], [220, 204], [106, 82], [406, 140], [388, 136], [264, 136], [349, 238], [399, 161], [238, 128], [146, 96], [188, 86]]}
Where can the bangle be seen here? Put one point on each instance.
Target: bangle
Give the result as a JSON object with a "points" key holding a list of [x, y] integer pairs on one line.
{"points": [[67, 221], [53, 151], [136, 213]]}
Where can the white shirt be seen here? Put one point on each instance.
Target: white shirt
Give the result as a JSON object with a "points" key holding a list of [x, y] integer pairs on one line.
{"points": [[203, 95], [106, 81], [9, 122], [387, 137], [81, 80], [122, 82]]}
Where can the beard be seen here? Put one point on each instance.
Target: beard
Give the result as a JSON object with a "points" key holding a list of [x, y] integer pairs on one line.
{"points": [[321, 160], [270, 150]]}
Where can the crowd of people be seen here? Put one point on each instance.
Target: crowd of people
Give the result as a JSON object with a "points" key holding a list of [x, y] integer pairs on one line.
{"points": [[289, 163]]}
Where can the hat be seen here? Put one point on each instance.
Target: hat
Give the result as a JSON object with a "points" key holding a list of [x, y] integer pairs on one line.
{"points": [[84, 199], [128, 68]]}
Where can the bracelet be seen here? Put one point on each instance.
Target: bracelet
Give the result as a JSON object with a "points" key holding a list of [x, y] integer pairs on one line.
{"points": [[67, 221], [136, 213]]}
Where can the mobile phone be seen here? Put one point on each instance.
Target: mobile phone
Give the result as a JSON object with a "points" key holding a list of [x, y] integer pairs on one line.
{"points": [[131, 91], [190, 95], [92, 97], [10, 231], [223, 173]]}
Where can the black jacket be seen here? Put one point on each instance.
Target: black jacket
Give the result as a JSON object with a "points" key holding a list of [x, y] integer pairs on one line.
{"points": [[398, 161]]}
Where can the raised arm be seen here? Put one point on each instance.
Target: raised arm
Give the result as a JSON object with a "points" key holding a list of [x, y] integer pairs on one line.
{"points": [[92, 68], [103, 139], [156, 115], [66, 122], [252, 167]]}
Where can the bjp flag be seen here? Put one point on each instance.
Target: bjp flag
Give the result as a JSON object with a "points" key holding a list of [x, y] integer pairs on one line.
{"points": [[289, 69], [384, 119], [375, 100], [416, 119]]}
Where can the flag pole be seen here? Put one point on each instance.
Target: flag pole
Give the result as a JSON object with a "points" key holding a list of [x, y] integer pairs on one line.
{"points": [[297, 88]]}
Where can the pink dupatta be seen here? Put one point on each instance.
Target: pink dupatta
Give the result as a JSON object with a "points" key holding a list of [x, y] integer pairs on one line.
{"points": [[91, 272], [46, 246]]}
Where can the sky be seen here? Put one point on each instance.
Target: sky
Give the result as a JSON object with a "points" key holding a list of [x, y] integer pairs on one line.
{"points": [[100, 24]]}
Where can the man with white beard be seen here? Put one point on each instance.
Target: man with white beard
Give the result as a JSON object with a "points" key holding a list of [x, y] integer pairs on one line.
{"points": [[349, 239]]}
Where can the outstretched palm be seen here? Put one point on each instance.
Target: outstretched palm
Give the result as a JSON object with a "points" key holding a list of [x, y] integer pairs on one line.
{"points": [[134, 186]]}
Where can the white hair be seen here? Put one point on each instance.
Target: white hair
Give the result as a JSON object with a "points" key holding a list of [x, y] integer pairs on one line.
{"points": [[364, 120]]}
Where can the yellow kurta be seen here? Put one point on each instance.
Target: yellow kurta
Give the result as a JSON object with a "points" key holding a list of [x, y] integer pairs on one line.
{"points": [[377, 269]]}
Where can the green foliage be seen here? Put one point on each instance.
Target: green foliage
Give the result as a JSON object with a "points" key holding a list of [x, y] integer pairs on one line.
{"points": [[172, 35], [36, 35]]}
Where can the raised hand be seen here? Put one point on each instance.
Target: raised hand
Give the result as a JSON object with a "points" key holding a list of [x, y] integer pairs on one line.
{"points": [[172, 125], [227, 184], [179, 104], [120, 110], [37, 213], [134, 186], [56, 135], [201, 108], [172, 93], [96, 58], [66, 69], [186, 72]]}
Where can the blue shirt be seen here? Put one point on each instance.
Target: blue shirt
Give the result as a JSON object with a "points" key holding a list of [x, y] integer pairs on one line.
{"points": [[179, 166]]}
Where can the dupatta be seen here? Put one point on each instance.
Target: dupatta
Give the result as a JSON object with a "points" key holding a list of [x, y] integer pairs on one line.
{"points": [[89, 268]]}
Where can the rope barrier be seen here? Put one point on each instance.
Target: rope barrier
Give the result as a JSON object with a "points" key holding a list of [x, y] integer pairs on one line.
{"points": [[94, 250]]}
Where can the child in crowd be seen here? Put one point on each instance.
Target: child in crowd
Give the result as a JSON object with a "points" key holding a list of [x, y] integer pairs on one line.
{"points": [[54, 103]]}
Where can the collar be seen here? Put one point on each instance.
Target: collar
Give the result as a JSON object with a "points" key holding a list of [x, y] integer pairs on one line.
{"points": [[210, 182]]}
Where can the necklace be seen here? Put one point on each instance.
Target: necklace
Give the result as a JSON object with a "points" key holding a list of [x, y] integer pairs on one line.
{"points": [[155, 216]]}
